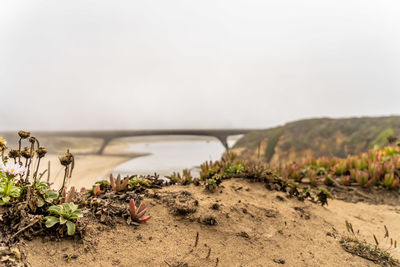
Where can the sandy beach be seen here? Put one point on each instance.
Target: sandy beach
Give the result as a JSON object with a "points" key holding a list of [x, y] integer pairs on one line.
{"points": [[88, 167]]}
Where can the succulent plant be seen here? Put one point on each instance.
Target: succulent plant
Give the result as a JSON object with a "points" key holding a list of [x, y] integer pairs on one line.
{"points": [[328, 181], [390, 181], [67, 197], [97, 190], [138, 213], [362, 177], [117, 185], [211, 185]]}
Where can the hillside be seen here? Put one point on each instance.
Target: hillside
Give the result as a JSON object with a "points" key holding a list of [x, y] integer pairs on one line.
{"points": [[302, 139]]}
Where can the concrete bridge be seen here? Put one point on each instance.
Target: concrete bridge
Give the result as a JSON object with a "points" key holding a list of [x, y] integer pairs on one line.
{"points": [[108, 135]]}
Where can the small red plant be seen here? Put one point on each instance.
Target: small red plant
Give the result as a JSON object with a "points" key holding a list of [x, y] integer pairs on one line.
{"points": [[97, 190], [137, 213], [68, 196], [117, 185]]}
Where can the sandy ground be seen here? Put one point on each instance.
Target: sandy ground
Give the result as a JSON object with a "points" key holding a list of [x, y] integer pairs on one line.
{"points": [[255, 227]]}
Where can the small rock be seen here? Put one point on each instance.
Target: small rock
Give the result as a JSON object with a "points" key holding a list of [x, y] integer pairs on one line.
{"points": [[243, 234], [279, 261], [215, 206]]}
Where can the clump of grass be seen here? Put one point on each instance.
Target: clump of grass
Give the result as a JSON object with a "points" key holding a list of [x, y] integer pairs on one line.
{"points": [[354, 245]]}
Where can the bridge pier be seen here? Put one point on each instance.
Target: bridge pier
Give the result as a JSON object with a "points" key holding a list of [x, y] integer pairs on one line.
{"points": [[224, 141], [103, 146]]}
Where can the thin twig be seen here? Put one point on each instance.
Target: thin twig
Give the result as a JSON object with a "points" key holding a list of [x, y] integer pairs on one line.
{"points": [[197, 239], [40, 175], [23, 229], [167, 263], [209, 253]]}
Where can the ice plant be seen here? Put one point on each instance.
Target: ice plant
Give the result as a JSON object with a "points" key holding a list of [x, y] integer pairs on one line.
{"points": [[97, 190], [137, 213], [117, 185], [67, 197]]}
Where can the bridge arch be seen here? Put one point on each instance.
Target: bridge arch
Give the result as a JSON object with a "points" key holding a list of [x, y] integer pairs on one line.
{"points": [[223, 139], [108, 135]]}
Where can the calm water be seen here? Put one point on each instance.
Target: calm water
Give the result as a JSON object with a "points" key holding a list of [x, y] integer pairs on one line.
{"points": [[169, 156]]}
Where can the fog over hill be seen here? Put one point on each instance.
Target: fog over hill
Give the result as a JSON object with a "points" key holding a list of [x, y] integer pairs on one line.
{"points": [[299, 140], [184, 64]]}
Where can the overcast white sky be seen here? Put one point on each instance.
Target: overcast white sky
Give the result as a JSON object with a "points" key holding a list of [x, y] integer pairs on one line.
{"points": [[195, 64]]}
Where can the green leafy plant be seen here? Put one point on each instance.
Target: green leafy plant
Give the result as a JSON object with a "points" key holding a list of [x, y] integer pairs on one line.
{"points": [[65, 214], [44, 194], [138, 182], [8, 189]]}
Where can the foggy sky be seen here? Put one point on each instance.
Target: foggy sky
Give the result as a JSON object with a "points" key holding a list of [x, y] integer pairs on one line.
{"points": [[195, 64]]}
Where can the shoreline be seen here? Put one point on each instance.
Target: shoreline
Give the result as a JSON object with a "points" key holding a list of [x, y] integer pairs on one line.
{"points": [[88, 169]]}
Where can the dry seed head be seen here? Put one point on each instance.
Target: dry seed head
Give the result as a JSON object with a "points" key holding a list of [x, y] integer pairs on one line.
{"points": [[24, 134], [13, 154], [41, 151], [32, 139], [26, 153], [3, 143], [3, 148], [66, 159]]}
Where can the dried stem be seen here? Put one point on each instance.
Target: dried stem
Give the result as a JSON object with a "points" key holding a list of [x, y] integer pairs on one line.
{"points": [[36, 171], [48, 172], [23, 229], [19, 149], [197, 239], [30, 162], [64, 179]]}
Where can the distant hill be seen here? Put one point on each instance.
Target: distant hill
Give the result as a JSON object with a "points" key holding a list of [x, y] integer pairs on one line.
{"points": [[302, 139]]}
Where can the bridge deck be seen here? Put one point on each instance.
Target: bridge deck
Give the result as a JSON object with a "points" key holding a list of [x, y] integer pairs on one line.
{"points": [[108, 135]]}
